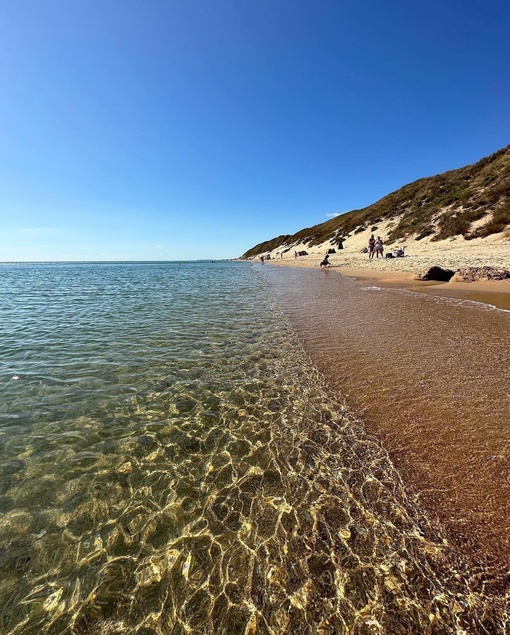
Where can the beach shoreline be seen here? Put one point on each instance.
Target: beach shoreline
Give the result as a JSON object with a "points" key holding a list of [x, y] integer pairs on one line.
{"points": [[487, 256], [493, 292], [433, 394]]}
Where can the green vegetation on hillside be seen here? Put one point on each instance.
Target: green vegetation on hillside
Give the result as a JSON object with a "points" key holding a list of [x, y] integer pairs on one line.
{"points": [[441, 206]]}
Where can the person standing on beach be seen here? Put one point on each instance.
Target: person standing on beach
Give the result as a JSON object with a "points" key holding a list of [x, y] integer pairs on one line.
{"points": [[379, 247], [371, 247]]}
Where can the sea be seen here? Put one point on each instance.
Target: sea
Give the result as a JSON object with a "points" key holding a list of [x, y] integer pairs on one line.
{"points": [[173, 461]]}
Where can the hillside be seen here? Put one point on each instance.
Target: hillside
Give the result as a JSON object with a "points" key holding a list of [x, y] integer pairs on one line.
{"points": [[470, 202]]}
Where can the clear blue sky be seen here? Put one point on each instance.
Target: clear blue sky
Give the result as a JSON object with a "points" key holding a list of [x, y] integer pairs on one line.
{"points": [[155, 129]]}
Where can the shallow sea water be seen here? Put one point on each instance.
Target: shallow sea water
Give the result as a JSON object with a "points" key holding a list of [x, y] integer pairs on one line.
{"points": [[172, 462], [431, 376]]}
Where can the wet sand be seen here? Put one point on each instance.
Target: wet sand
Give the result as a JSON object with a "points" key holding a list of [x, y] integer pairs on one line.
{"points": [[495, 292], [496, 299], [429, 376]]}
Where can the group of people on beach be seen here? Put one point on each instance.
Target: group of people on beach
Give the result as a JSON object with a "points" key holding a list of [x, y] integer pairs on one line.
{"points": [[375, 247]]}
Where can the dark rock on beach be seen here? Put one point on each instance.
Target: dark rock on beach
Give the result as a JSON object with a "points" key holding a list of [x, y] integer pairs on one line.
{"points": [[439, 274], [466, 274]]}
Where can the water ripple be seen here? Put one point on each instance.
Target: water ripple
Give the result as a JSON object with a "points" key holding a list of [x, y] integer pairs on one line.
{"points": [[171, 462]]}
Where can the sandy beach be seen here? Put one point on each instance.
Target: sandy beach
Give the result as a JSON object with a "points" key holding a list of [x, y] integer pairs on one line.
{"points": [[420, 256]]}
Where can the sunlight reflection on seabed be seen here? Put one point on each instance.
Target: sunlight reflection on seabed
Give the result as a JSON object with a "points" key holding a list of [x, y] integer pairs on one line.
{"points": [[233, 496]]}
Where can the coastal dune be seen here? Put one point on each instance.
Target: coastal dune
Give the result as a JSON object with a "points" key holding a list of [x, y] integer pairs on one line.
{"points": [[455, 219]]}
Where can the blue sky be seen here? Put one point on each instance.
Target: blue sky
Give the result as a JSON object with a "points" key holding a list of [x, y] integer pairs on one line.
{"points": [[149, 130]]}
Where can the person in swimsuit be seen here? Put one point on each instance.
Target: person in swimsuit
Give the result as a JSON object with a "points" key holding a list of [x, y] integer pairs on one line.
{"points": [[379, 247], [371, 247]]}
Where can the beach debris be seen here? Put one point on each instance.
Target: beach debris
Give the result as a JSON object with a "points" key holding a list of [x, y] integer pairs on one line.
{"points": [[471, 274], [439, 274]]}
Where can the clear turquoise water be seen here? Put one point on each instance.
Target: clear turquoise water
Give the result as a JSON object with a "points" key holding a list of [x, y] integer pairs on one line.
{"points": [[172, 462]]}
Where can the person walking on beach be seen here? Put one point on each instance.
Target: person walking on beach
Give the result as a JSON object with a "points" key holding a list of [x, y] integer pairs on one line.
{"points": [[379, 247], [371, 247]]}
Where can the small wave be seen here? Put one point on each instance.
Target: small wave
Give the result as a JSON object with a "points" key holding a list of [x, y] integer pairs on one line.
{"points": [[441, 299]]}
